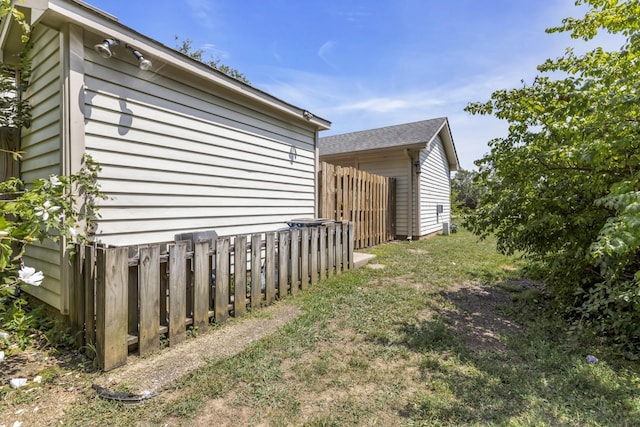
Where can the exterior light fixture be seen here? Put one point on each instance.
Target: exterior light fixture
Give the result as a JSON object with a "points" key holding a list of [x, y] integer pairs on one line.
{"points": [[307, 115], [104, 48], [143, 64], [417, 167]]}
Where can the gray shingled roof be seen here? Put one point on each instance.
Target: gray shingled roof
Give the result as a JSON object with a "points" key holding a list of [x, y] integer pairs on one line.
{"points": [[397, 136]]}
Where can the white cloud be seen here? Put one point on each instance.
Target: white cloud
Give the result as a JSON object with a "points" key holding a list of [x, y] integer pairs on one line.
{"points": [[378, 105], [202, 11], [326, 50]]}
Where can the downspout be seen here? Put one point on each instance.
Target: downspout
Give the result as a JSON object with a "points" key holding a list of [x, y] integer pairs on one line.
{"points": [[410, 197]]}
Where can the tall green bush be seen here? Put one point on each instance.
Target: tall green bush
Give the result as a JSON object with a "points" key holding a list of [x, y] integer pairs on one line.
{"points": [[563, 186]]}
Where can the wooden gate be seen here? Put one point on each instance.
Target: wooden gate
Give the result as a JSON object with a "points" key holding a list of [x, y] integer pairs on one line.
{"points": [[367, 200]]}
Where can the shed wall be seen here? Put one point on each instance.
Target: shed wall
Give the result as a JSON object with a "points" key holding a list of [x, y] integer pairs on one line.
{"points": [[177, 156], [41, 144], [435, 188]]}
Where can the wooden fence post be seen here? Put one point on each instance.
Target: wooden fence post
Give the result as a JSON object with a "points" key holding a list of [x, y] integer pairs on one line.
{"points": [[221, 298], [338, 246], [350, 246], [149, 290], [202, 284], [283, 264], [76, 309], [177, 292], [256, 271], [111, 302], [314, 255], [331, 249], [295, 260], [323, 251], [89, 283], [240, 276], [304, 256], [270, 268]]}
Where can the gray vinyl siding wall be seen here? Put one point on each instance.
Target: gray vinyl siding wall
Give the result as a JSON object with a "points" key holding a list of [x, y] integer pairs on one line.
{"points": [[434, 188], [177, 155], [41, 143]]}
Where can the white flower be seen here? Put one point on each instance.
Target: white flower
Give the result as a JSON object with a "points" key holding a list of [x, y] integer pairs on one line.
{"points": [[45, 210], [1, 356], [29, 276], [54, 180]]}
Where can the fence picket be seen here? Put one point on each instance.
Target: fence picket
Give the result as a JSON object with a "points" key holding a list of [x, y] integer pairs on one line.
{"points": [[149, 279], [177, 292], [89, 284], [295, 261], [313, 255], [221, 298], [111, 305], [240, 276], [283, 263], [270, 268], [322, 249], [201, 283], [304, 258], [256, 271]]}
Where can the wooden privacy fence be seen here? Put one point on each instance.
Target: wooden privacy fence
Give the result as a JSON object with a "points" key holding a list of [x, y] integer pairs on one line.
{"points": [[128, 298], [367, 200]]}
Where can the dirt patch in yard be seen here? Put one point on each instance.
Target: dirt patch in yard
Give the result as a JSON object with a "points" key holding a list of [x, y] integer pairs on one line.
{"points": [[65, 379], [474, 311]]}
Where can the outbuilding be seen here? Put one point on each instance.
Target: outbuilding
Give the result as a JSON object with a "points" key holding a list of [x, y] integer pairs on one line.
{"points": [[182, 146], [419, 155]]}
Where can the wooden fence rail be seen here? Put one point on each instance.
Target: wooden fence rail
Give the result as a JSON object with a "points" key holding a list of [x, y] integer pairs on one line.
{"points": [[134, 298], [367, 200]]}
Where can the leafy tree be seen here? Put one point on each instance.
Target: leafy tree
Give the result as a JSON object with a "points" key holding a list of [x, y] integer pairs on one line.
{"points": [[465, 190], [563, 185], [186, 46]]}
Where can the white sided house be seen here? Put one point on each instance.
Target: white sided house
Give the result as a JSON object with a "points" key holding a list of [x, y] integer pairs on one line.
{"points": [[182, 146], [419, 155]]}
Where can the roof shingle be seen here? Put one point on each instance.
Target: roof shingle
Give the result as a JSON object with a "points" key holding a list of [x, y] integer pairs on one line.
{"points": [[380, 138]]}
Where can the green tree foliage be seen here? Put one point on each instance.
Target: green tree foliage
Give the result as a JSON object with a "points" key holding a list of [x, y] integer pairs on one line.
{"points": [[465, 190], [563, 186], [186, 46]]}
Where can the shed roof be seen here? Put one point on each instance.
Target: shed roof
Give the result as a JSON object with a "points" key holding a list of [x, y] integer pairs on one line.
{"points": [[415, 135]]}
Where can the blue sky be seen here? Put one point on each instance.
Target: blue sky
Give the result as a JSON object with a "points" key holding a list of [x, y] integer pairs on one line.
{"points": [[365, 64]]}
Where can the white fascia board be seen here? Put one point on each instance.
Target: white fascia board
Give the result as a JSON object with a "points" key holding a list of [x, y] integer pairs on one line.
{"points": [[449, 148]]}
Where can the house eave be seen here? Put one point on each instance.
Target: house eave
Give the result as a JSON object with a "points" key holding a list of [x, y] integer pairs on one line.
{"points": [[55, 13], [372, 151]]}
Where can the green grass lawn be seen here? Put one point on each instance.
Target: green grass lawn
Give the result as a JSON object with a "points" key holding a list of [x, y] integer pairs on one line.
{"points": [[444, 332]]}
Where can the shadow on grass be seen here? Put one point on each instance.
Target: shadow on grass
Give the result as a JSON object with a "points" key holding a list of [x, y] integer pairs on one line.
{"points": [[479, 366]]}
